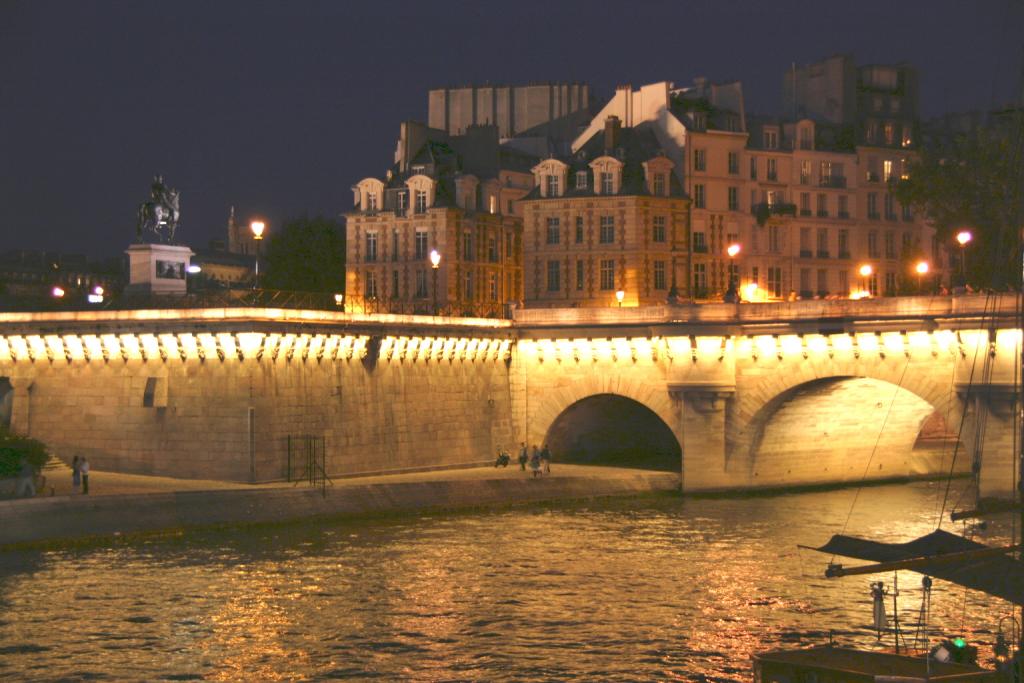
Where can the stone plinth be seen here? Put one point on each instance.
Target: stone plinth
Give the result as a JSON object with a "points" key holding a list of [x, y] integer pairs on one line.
{"points": [[158, 268]]}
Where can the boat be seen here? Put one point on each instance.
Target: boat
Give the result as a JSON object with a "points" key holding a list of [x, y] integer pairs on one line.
{"points": [[996, 571]]}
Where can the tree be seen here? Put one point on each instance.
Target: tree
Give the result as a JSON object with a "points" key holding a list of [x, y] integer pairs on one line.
{"points": [[306, 255], [974, 182], [15, 449]]}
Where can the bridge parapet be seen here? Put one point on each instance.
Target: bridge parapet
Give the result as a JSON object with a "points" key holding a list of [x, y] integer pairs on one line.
{"points": [[896, 313]]}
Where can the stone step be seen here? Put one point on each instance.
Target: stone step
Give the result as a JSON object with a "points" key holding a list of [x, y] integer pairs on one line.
{"points": [[55, 465]]}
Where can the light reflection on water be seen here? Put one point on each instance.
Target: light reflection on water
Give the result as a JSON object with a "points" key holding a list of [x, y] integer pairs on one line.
{"points": [[640, 589]]}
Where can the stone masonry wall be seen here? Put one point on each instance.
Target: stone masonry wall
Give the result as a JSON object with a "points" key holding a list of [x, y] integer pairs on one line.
{"points": [[395, 415]]}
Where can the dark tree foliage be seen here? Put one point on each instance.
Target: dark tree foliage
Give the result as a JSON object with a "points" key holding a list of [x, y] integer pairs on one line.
{"points": [[974, 182], [15, 449], [305, 255]]}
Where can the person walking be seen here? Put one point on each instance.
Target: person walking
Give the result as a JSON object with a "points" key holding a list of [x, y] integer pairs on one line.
{"points": [[83, 467], [523, 456], [26, 485], [76, 475], [545, 459], [535, 461]]}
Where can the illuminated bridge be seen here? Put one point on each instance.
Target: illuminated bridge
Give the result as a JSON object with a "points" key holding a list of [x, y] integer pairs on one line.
{"points": [[731, 396]]}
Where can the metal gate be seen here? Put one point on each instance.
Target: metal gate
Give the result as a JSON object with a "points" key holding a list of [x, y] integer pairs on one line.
{"points": [[307, 461]]}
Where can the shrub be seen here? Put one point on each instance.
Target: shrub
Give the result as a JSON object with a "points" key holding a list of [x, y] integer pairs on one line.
{"points": [[14, 448]]}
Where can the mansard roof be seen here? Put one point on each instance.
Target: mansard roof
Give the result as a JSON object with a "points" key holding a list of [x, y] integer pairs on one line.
{"points": [[634, 147]]}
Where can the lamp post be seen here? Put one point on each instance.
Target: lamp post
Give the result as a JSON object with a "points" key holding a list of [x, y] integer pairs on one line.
{"points": [[257, 228], [619, 296], [435, 264], [865, 272], [732, 250], [962, 238], [921, 269]]}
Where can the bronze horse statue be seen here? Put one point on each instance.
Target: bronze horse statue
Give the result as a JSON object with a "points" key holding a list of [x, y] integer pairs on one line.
{"points": [[160, 214]]}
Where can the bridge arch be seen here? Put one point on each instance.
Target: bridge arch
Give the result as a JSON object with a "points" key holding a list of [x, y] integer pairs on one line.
{"points": [[565, 415], [829, 424]]}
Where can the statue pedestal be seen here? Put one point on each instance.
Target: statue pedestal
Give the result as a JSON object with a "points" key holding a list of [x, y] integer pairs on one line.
{"points": [[158, 268]]}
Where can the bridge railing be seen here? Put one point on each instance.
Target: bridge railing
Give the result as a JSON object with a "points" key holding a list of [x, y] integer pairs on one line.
{"points": [[229, 298], [972, 305]]}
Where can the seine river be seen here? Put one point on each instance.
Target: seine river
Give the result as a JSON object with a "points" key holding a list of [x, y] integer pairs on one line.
{"points": [[659, 588]]}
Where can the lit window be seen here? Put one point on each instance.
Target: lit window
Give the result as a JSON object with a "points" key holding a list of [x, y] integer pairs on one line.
{"points": [[607, 185]]}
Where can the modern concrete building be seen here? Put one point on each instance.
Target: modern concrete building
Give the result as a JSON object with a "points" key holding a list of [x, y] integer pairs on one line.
{"points": [[451, 194], [515, 110], [878, 100]]}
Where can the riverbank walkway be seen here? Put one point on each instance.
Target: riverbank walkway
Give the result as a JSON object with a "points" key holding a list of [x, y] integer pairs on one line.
{"points": [[120, 503]]}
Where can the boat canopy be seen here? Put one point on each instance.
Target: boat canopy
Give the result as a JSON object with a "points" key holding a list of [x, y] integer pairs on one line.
{"points": [[998, 575]]}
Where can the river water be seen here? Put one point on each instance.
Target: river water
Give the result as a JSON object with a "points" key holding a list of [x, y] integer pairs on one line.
{"points": [[657, 588]]}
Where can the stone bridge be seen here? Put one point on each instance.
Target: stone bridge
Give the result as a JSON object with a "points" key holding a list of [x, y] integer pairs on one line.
{"points": [[732, 396]]}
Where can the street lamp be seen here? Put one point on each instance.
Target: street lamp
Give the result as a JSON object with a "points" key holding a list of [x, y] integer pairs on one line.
{"points": [[57, 291], [865, 272], [435, 263], [339, 300], [257, 228], [619, 296], [732, 250], [921, 269], [963, 237]]}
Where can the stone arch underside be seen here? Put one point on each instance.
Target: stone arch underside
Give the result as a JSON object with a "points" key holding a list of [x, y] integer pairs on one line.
{"points": [[547, 406], [611, 430], [846, 428]]}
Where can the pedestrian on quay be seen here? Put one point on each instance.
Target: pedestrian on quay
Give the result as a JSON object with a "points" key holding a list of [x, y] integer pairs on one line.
{"points": [[545, 459], [523, 456], [83, 467], [503, 458], [26, 485], [76, 475], [535, 461]]}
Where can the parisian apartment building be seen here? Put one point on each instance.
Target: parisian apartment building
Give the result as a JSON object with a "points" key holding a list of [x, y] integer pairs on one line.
{"points": [[539, 196]]}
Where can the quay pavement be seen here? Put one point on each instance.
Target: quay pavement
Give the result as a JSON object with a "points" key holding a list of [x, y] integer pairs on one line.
{"points": [[128, 503]]}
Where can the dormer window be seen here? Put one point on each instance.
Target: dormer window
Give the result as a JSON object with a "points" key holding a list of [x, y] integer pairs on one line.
{"points": [[607, 183], [771, 138], [421, 201], [403, 201], [659, 185], [419, 168], [581, 180], [371, 201], [551, 183]]}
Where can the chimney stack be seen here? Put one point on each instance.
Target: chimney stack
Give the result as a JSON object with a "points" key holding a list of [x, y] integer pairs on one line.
{"points": [[612, 126]]}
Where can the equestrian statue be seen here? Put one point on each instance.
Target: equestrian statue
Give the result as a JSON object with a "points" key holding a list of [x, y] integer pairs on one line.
{"points": [[160, 214]]}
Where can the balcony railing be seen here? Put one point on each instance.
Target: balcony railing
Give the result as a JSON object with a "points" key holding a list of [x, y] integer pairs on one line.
{"points": [[823, 253], [765, 211], [833, 181], [843, 214], [805, 253], [700, 248], [822, 213], [805, 212]]}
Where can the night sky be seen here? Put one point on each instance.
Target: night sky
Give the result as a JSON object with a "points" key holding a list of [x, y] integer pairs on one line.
{"points": [[278, 108]]}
